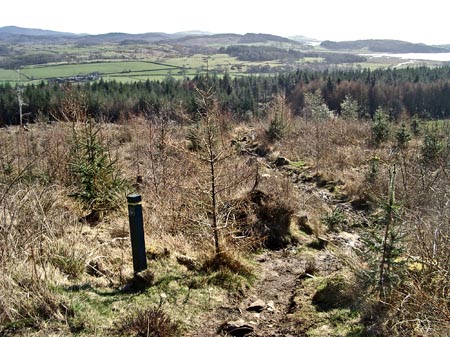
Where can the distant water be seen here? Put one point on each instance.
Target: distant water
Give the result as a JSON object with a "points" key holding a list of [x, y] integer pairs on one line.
{"points": [[415, 56]]}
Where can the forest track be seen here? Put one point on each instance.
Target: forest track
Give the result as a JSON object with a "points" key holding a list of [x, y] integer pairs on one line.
{"points": [[271, 307], [266, 309]]}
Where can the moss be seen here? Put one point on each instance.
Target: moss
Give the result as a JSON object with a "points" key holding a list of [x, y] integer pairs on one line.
{"points": [[334, 292]]}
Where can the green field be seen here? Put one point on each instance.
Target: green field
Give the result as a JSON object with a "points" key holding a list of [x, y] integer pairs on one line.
{"points": [[142, 70], [7, 75], [133, 63], [51, 71]]}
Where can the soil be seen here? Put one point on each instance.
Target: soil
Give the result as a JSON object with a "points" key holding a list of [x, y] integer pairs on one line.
{"points": [[281, 274]]}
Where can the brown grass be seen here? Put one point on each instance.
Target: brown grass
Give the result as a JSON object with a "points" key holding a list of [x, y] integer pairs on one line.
{"points": [[152, 322], [43, 245]]}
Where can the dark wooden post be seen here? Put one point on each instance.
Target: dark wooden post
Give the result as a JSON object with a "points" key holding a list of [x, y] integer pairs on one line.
{"points": [[137, 232]]}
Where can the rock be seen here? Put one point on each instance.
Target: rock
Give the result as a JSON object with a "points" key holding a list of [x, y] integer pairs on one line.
{"points": [[238, 328], [257, 306], [270, 306], [281, 161]]}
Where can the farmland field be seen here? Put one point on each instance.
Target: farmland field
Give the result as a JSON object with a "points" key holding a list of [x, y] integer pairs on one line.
{"points": [[130, 61], [43, 72], [139, 70]]}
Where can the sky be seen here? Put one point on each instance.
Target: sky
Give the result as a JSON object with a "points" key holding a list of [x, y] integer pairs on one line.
{"points": [[415, 21]]}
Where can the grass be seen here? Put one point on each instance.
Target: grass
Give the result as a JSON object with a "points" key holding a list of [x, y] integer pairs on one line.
{"points": [[7, 75], [44, 248], [338, 319], [150, 322], [440, 126], [131, 71], [103, 68], [145, 65], [183, 297]]}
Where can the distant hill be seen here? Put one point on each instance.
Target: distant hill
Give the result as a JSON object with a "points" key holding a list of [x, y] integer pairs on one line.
{"points": [[200, 39], [123, 37], [32, 31], [14, 34], [381, 46], [205, 40], [231, 39], [263, 38]]}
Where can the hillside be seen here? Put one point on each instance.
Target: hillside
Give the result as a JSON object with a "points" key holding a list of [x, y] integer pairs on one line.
{"points": [[20, 35], [32, 31], [381, 46], [13, 34], [302, 205], [126, 57], [232, 39]]}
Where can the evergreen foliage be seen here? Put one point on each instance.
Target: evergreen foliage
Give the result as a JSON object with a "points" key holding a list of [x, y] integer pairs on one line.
{"points": [[380, 127], [431, 148], [315, 106], [335, 219], [423, 92], [99, 184], [402, 136], [349, 108], [279, 115], [383, 240]]}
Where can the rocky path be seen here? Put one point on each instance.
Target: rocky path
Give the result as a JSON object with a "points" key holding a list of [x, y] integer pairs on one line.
{"points": [[266, 308], [270, 308]]}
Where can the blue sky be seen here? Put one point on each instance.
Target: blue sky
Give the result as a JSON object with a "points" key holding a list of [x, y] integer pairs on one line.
{"points": [[414, 21]]}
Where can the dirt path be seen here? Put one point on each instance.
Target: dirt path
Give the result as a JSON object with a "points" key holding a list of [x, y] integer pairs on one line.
{"points": [[271, 307], [266, 308]]}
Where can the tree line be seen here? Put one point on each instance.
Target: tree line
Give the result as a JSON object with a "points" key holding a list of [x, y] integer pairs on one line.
{"points": [[268, 53], [419, 91]]}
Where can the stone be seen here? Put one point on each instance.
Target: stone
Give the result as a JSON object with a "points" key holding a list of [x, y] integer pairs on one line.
{"points": [[281, 161], [238, 328], [257, 306]]}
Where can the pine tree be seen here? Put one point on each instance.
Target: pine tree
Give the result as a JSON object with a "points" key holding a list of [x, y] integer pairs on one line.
{"points": [[380, 127], [207, 147], [315, 107], [280, 118], [99, 184], [431, 148], [383, 240], [349, 108]]}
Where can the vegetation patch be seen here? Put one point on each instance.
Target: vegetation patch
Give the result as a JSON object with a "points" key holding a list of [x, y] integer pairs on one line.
{"points": [[227, 272], [151, 322], [335, 292]]}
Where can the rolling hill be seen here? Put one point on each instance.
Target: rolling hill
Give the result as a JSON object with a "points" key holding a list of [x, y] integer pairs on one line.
{"points": [[14, 30], [381, 46], [14, 34]]}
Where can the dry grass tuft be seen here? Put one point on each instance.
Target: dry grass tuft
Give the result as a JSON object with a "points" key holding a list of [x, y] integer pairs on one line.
{"points": [[151, 322]]}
